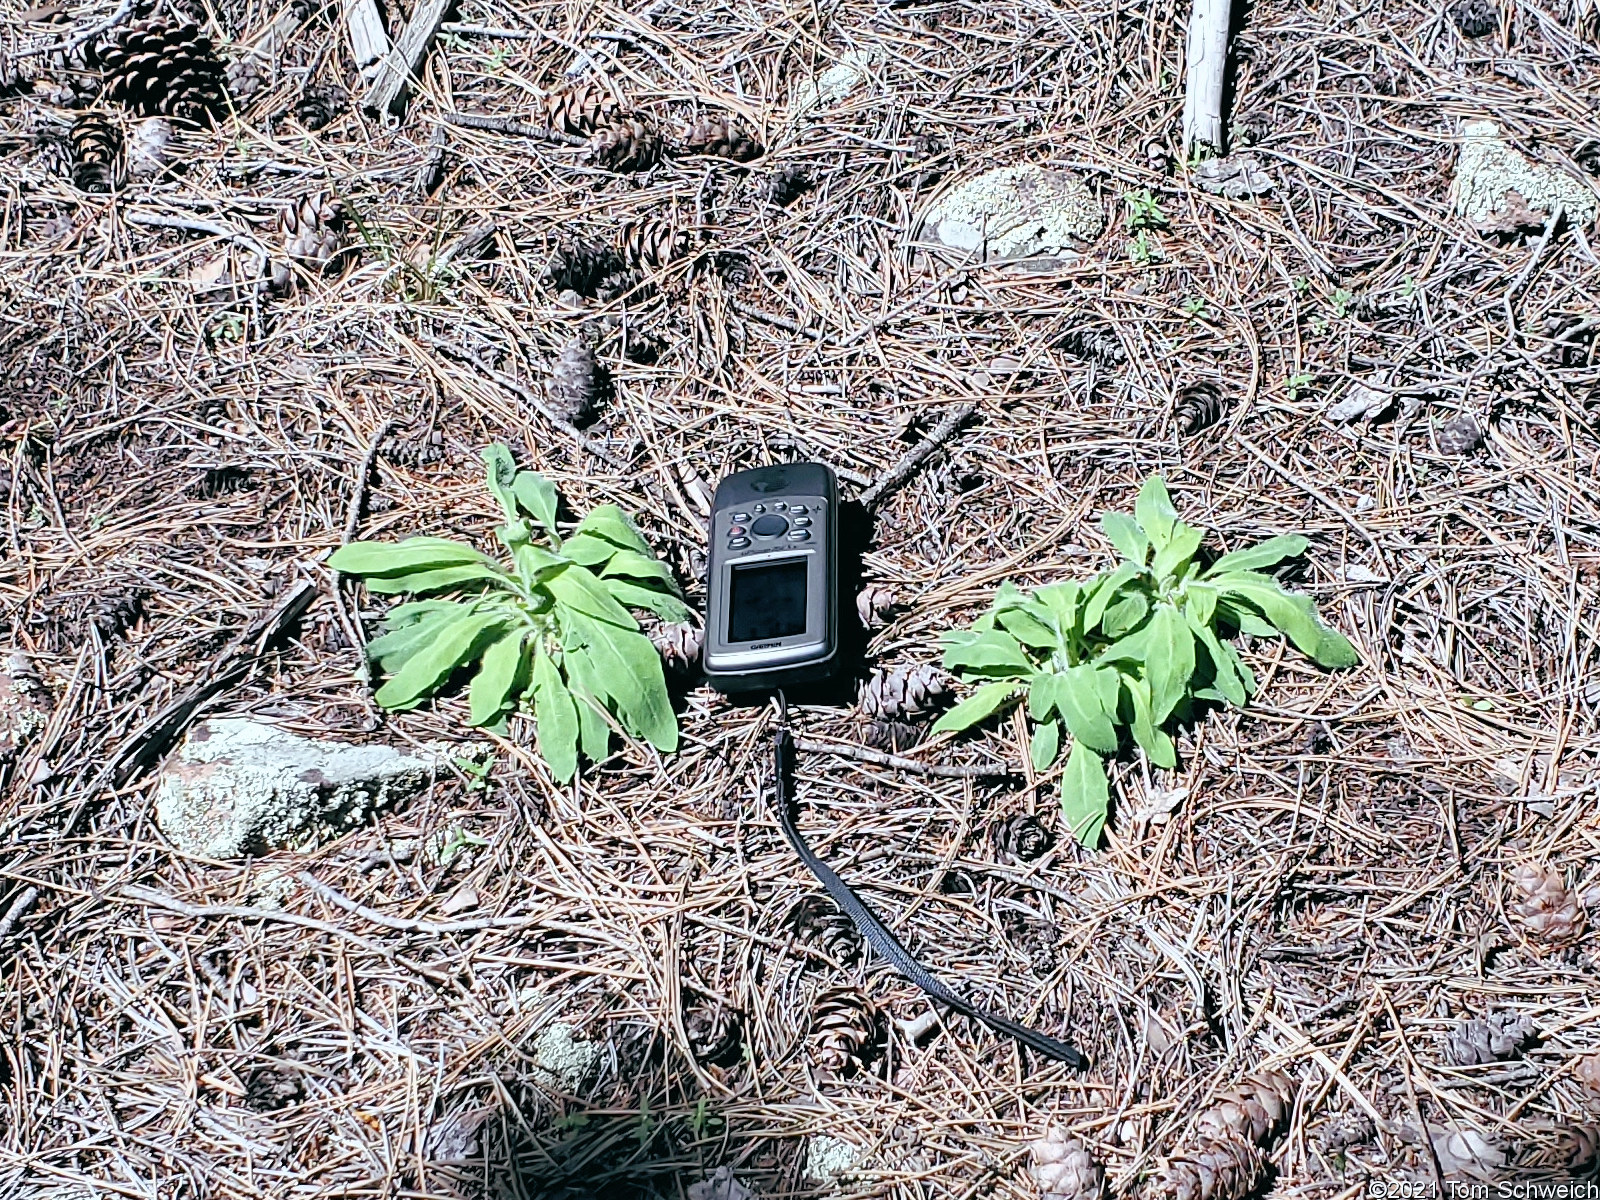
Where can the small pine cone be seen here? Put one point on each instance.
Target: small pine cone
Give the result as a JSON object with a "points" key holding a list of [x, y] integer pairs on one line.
{"points": [[714, 1033], [874, 603], [579, 384], [319, 104], [1023, 836], [785, 185], [244, 79], [1037, 940], [1098, 343], [268, 1088], [580, 265], [1475, 18], [651, 243], [818, 921], [720, 136], [903, 692], [1496, 1038], [618, 283], [164, 67], [1198, 406], [115, 615], [15, 77], [1587, 1072], [1229, 1169], [150, 148], [1460, 435], [628, 144], [844, 1031], [1256, 1109], [582, 108], [679, 646], [894, 736], [313, 236], [96, 154], [1346, 1129], [1545, 906], [1064, 1169]]}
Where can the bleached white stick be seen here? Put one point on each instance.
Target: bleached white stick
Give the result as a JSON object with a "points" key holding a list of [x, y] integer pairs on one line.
{"points": [[1206, 63]]}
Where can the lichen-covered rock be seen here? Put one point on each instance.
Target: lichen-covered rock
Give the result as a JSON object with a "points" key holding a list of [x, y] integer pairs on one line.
{"points": [[24, 706], [564, 1058], [1500, 191], [238, 786], [830, 86], [829, 1159], [1015, 211]]}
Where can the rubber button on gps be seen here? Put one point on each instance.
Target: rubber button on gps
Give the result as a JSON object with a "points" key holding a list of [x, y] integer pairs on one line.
{"points": [[800, 535], [770, 525], [738, 543]]}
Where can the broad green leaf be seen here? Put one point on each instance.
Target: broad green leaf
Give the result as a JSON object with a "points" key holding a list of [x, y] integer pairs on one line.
{"points": [[1106, 592], [395, 558], [1042, 695], [1242, 615], [608, 521], [591, 701], [409, 632], [995, 653], [1226, 681], [1081, 701], [1085, 795], [631, 595], [1132, 648], [581, 592], [984, 702], [455, 644], [500, 473], [419, 582], [491, 691], [1045, 745], [625, 664], [1169, 660], [1334, 650], [413, 611], [1240, 668], [638, 566], [1126, 536], [1028, 629], [536, 564], [1172, 558], [1152, 739], [1200, 603], [1268, 553], [589, 549], [557, 718], [1294, 616], [1155, 512], [1125, 615], [538, 496], [1063, 601]]}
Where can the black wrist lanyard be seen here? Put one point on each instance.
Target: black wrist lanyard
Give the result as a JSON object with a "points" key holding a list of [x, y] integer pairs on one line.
{"points": [[875, 931]]}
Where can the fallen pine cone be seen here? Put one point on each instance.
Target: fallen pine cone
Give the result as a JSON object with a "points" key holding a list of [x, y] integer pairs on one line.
{"points": [[844, 1032], [720, 136], [1064, 1169], [1460, 435], [785, 185], [96, 154], [1496, 1038], [1231, 1169], [580, 265], [1545, 906], [150, 148], [627, 144], [581, 108], [579, 384], [874, 603], [1227, 1162], [1475, 18], [714, 1032], [162, 66], [313, 237], [1023, 836], [679, 646], [1256, 1109], [1198, 406], [319, 104], [904, 691], [887, 733], [818, 921], [652, 242]]}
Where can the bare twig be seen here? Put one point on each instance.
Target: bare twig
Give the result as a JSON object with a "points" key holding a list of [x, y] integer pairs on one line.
{"points": [[358, 489], [514, 128], [879, 758], [918, 454], [18, 909]]}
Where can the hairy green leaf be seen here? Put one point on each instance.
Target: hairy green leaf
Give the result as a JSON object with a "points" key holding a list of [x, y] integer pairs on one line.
{"points": [[628, 668], [609, 522], [1045, 745], [1126, 536], [557, 718], [1152, 739], [1101, 594], [1253, 558], [1155, 513], [631, 595], [1169, 660], [1200, 603], [1085, 795], [411, 627], [632, 565], [455, 644], [580, 592], [1334, 650], [1224, 678], [397, 558], [994, 653], [1042, 689], [1081, 700], [539, 498], [1125, 615], [459, 578], [984, 702], [1028, 629], [592, 702], [500, 473], [1063, 601], [1295, 616], [491, 691], [1179, 551], [589, 549]]}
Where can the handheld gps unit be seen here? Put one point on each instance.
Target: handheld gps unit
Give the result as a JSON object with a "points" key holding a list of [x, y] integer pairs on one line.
{"points": [[772, 611]]}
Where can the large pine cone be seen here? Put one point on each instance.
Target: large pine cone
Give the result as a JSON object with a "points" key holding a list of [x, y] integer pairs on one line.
{"points": [[720, 136], [96, 154], [581, 108], [580, 265], [313, 236], [578, 384], [844, 1031], [903, 692], [1098, 343], [627, 144], [162, 67], [679, 646], [1230, 1169], [1475, 18], [652, 243], [1023, 836], [1543, 904], [1496, 1038], [713, 1030], [1064, 1169], [892, 735], [818, 921], [1256, 1109]]}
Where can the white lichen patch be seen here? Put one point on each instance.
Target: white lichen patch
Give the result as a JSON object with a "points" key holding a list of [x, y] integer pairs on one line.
{"points": [[1014, 211], [563, 1056], [1499, 190], [829, 1159], [831, 86], [239, 786]]}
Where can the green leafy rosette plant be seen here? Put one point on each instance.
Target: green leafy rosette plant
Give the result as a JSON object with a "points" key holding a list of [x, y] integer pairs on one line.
{"points": [[551, 632], [1131, 649]]}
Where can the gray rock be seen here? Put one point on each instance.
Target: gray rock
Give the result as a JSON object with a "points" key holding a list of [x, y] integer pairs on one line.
{"points": [[1017, 211], [1500, 191], [1237, 177], [240, 786], [720, 1185]]}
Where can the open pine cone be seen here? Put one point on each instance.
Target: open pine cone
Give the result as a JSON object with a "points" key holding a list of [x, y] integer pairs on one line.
{"points": [[1256, 1109], [1461, 434], [1022, 835], [313, 237], [892, 734], [581, 108], [319, 104], [844, 1031], [579, 384], [1064, 1169], [818, 921], [627, 144], [679, 646], [713, 1030], [1496, 1038], [150, 148], [903, 692], [785, 185], [96, 154], [1230, 1169], [874, 603], [580, 265], [720, 136], [1198, 406], [652, 242], [1543, 904], [163, 67]]}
